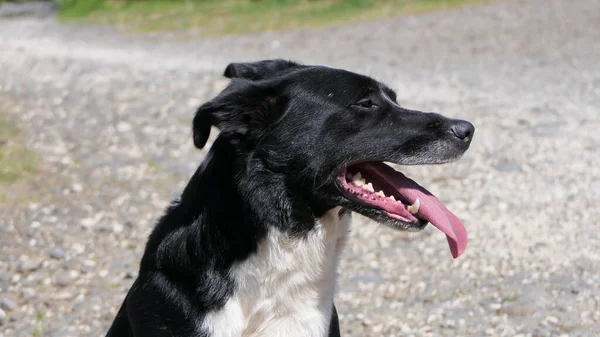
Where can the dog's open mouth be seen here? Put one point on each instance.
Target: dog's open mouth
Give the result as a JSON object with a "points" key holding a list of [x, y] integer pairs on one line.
{"points": [[379, 186]]}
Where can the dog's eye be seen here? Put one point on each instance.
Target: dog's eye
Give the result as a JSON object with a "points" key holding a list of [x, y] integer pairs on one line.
{"points": [[366, 103]]}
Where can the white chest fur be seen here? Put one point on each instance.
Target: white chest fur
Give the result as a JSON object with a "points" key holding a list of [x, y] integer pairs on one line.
{"points": [[286, 288]]}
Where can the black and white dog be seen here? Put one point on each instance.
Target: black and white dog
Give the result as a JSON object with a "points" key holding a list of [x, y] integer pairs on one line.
{"points": [[252, 245]]}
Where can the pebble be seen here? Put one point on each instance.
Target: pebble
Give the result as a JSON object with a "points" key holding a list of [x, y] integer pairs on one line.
{"points": [[17, 316], [131, 274], [7, 304], [29, 265], [63, 279], [88, 265], [28, 293], [495, 306], [2, 317], [123, 127], [57, 253], [88, 222], [508, 167], [552, 320]]}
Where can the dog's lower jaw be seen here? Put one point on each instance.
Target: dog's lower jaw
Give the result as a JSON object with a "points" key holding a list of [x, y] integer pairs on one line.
{"points": [[286, 288]]}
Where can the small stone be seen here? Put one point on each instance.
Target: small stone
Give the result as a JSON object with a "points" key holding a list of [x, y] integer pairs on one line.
{"points": [[17, 316], [88, 222], [7, 304], [78, 248], [88, 265], [63, 279], [552, 320], [131, 274], [80, 298], [63, 295], [2, 317], [495, 306], [29, 265], [123, 127], [117, 228], [57, 253], [35, 225], [508, 167], [77, 187], [27, 293], [449, 324]]}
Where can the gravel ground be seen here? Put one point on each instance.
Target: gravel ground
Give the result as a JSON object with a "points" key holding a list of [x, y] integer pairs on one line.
{"points": [[109, 115]]}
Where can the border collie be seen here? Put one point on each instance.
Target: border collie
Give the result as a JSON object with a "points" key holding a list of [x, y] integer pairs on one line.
{"points": [[252, 245]]}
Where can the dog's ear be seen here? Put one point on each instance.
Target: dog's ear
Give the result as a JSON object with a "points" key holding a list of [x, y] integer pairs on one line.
{"points": [[258, 70], [240, 112]]}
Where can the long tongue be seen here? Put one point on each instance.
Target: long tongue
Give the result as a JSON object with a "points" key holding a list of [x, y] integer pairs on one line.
{"points": [[431, 208]]}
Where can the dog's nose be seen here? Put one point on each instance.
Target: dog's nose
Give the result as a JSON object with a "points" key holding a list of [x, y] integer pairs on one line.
{"points": [[463, 130]]}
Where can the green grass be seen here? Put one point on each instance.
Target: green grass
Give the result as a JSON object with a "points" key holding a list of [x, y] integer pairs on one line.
{"points": [[511, 298], [38, 332], [16, 162], [218, 17]]}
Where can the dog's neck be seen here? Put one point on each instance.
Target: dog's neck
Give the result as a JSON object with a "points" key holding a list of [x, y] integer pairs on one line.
{"points": [[237, 202]]}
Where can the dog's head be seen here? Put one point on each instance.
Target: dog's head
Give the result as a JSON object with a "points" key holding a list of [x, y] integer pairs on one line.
{"points": [[328, 131]]}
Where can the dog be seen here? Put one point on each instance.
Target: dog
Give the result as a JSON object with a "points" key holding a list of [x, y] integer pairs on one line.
{"points": [[251, 246]]}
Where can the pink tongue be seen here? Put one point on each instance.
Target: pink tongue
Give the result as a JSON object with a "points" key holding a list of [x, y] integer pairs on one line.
{"points": [[430, 208]]}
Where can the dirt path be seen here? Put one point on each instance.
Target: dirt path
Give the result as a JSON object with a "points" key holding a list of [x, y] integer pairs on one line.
{"points": [[109, 115]]}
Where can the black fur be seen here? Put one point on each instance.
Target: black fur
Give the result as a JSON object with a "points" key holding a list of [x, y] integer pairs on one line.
{"points": [[286, 132]]}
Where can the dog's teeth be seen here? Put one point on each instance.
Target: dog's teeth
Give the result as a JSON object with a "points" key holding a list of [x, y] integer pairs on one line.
{"points": [[414, 208], [392, 197], [381, 193], [358, 180], [369, 187]]}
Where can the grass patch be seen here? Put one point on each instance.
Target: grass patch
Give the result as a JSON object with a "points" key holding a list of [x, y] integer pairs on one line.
{"points": [[16, 162], [511, 298], [218, 17], [38, 332]]}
